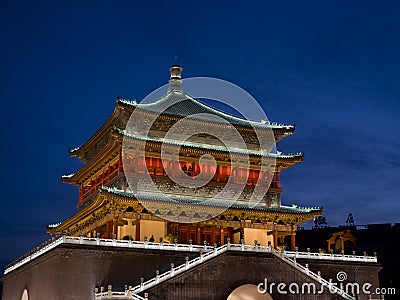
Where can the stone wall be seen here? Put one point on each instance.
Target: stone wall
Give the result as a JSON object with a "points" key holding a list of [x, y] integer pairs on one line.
{"points": [[217, 278], [73, 271]]}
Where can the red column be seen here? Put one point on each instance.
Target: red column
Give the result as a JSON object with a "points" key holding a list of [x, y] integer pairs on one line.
{"points": [[115, 227], [275, 235], [108, 229], [199, 242], [293, 240], [278, 179], [81, 192], [137, 233]]}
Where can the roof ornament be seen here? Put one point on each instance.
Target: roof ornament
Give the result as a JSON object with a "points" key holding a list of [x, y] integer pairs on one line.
{"points": [[175, 80]]}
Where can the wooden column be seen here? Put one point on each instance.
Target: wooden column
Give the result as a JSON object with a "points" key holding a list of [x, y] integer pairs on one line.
{"points": [[115, 227], [199, 242], [108, 229], [293, 240], [222, 237], [275, 234], [137, 233], [81, 192], [278, 179]]}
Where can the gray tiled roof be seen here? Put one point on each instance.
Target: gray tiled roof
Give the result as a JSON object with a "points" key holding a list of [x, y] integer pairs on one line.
{"points": [[185, 106]]}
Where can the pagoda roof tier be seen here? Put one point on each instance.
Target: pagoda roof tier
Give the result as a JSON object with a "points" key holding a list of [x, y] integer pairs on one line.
{"points": [[182, 200], [124, 108], [110, 152], [186, 106], [282, 160], [110, 203], [114, 146]]}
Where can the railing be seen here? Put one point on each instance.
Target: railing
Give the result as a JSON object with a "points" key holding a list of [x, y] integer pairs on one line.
{"points": [[131, 292], [45, 247], [305, 270], [331, 256], [127, 294], [182, 268], [28, 257]]}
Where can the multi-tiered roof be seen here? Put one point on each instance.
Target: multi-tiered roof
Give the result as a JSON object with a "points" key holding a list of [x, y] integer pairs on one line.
{"points": [[105, 195]]}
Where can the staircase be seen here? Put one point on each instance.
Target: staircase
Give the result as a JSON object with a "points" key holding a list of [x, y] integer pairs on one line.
{"points": [[289, 258]]}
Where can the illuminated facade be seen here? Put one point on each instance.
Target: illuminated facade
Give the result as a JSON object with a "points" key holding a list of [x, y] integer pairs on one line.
{"points": [[107, 205], [114, 247]]}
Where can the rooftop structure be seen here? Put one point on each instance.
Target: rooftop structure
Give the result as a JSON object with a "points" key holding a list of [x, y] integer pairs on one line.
{"points": [[117, 246], [109, 204]]}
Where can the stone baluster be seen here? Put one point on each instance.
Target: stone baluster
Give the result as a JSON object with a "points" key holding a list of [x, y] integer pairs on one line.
{"points": [[190, 245], [157, 276]]}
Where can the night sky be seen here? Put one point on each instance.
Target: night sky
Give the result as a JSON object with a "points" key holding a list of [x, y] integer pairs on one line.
{"points": [[330, 67]]}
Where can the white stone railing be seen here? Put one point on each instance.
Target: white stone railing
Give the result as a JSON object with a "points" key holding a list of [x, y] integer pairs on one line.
{"points": [[305, 270], [174, 247], [27, 258], [180, 269], [109, 294], [102, 242], [131, 292], [331, 256]]}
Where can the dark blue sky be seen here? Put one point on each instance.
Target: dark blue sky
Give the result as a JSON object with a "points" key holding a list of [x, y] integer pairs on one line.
{"points": [[330, 67]]}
